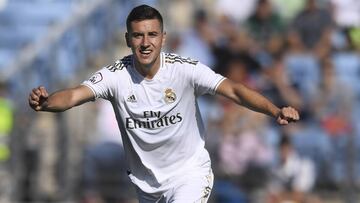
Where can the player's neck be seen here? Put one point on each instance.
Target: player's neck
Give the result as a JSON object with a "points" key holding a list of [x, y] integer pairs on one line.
{"points": [[148, 71]]}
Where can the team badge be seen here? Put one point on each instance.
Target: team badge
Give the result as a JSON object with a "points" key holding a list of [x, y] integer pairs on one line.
{"points": [[96, 78], [170, 96]]}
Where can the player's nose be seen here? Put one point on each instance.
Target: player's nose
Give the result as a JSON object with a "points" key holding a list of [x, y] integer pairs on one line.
{"points": [[145, 41]]}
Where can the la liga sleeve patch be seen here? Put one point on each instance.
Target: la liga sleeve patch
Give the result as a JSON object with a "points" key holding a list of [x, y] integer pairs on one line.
{"points": [[97, 77]]}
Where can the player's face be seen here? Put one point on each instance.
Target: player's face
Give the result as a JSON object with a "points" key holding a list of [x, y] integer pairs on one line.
{"points": [[145, 40]]}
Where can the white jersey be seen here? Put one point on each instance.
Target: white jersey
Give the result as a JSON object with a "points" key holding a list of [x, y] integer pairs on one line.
{"points": [[159, 120]]}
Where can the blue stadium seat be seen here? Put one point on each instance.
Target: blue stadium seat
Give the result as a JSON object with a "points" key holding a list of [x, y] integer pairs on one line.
{"points": [[24, 22], [34, 13], [304, 71], [347, 68], [16, 37], [5, 57]]}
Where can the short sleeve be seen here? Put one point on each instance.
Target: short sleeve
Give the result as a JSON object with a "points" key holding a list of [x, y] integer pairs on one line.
{"points": [[205, 80], [101, 84]]}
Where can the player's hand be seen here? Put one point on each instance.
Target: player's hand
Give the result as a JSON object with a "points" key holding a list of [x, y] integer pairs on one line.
{"points": [[287, 115], [38, 98]]}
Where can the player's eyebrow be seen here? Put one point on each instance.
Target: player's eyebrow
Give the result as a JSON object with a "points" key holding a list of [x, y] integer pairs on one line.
{"points": [[153, 33], [136, 33]]}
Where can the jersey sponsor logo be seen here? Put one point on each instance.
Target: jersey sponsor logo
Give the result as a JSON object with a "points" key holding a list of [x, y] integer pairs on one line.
{"points": [[170, 96], [152, 120], [97, 77], [131, 99], [173, 58], [120, 64]]}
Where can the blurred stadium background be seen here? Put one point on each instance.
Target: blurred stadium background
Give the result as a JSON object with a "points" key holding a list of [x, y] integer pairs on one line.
{"points": [[300, 52]]}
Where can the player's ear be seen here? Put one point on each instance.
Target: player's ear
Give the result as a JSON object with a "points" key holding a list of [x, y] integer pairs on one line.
{"points": [[127, 38]]}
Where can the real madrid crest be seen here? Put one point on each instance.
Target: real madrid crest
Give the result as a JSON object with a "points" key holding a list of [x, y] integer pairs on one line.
{"points": [[170, 96]]}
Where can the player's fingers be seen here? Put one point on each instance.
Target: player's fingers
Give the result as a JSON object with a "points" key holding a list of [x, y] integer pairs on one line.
{"points": [[282, 121], [36, 91], [33, 102], [294, 114], [290, 114], [297, 116], [37, 108], [34, 96], [43, 91]]}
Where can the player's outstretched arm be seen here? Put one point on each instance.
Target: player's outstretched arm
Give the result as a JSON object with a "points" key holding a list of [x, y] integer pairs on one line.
{"points": [[59, 101], [251, 99]]}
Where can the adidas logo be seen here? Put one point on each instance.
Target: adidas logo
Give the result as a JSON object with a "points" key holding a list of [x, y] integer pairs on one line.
{"points": [[131, 99]]}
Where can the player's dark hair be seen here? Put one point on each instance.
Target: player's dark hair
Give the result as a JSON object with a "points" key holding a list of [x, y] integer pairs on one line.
{"points": [[143, 12]]}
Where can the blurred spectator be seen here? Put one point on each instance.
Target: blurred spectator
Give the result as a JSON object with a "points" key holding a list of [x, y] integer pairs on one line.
{"points": [[346, 13], [334, 110], [278, 87], [354, 35], [104, 177], [200, 36], [196, 43], [311, 24], [328, 43], [6, 127], [264, 23], [179, 15], [236, 46], [293, 178], [237, 11], [302, 69], [334, 98], [346, 62], [288, 9], [240, 144], [6, 122], [39, 160], [242, 155]]}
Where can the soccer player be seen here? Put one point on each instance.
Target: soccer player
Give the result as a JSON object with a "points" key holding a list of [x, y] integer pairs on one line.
{"points": [[154, 96]]}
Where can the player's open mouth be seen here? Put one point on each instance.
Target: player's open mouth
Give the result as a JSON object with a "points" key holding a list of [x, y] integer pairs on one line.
{"points": [[145, 52]]}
